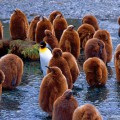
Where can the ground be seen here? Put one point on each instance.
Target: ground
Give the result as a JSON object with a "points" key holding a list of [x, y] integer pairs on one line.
{"points": [[102, 9]]}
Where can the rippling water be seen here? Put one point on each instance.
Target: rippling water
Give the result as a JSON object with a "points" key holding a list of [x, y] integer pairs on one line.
{"points": [[22, 103]]}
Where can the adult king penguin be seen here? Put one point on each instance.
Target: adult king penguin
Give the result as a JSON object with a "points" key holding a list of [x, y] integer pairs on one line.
{"points": [[45, 56]]}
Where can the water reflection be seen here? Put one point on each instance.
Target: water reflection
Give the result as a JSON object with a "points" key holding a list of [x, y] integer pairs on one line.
{"points": [[96, 94], [10, 100]]}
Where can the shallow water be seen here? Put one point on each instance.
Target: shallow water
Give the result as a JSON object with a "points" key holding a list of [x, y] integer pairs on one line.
{"points": [[22, 103]]}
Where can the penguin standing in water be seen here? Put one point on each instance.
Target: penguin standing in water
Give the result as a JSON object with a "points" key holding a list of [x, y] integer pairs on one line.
{"points": [[45, 55]]}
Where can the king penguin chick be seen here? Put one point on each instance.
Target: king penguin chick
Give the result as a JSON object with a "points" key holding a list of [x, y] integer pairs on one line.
{"points": [[50, 39], [59, 25], [12, 67], [18, 25], [96, 72], [92, 20], [70, 41], [53, 15], [119, 26], [59, 61], [45, 56], [117, 62], [86, 112], [72, 63], [95, 48], [42, 25], [64, 106], [32, 27], [104, 35], [2, 78], [1, 31], [53, 85], [86, 32]]}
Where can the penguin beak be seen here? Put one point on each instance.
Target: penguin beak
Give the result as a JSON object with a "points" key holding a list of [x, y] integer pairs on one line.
{"points": [[49, 68]]}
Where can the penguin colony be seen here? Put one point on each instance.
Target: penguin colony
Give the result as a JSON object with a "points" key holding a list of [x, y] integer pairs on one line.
{"points": [[61, 69]]}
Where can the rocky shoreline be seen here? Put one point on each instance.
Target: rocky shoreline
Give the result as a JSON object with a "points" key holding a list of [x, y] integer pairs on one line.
{"points": [[102, 9]]}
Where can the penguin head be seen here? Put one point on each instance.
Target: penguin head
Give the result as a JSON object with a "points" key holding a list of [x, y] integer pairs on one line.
{"points": [[48, 33], [54, 70], [42, 44], [102, 35], [37, 17], [70, 27], [59, 16], [57, 52], [2, 76], [68, 94]]}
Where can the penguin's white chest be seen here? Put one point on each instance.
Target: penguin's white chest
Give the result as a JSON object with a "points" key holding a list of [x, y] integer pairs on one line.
{"points": [[45, 56]]}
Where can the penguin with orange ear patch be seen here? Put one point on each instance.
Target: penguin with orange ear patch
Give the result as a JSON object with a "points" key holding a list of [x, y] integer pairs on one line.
{"points": [[86, 32], [18, 25], [53, 15], [53, 85], [104, 35], [2, 78], [58, 60], [32, 27], [92, 20], [50, 39], [64, 106], [12, 67], [42, 25], [1, 31], [59, 25], [86, 112], [70, 41], [95, 48], [117, 62], [74, 69], [96, 72]]}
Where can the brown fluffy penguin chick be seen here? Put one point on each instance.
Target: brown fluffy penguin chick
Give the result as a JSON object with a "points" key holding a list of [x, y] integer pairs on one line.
{"points": [[59, 61], [95, 48], [18, 25], [59, 25], [1, 31], [53, 86], [92, 20], [119, 26], [104, 35], [42, 25], [86, 32], [118, 20], [70, 41], [64, 106], [86, 112], [53, 15], [12, 67], [32, 28], [96, 72], [117, 62], [50, 39], [72, 63], [2, 78]]}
